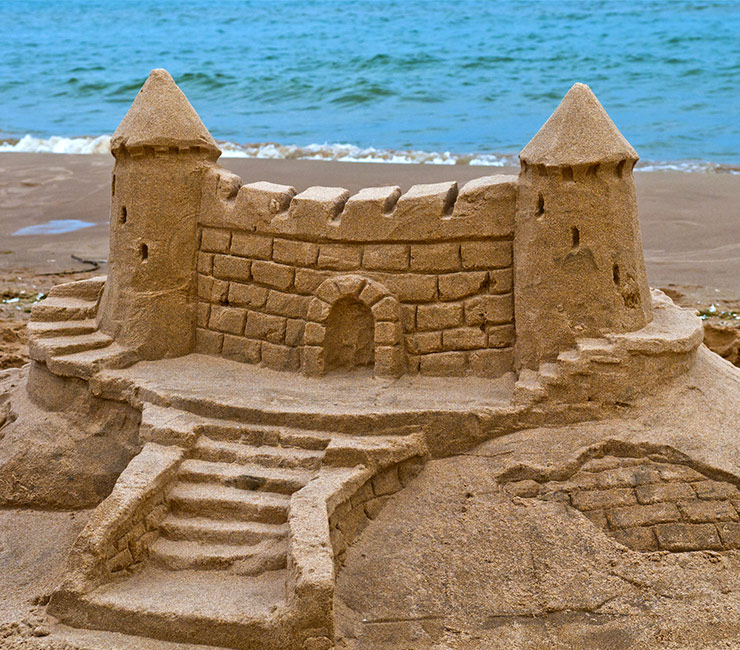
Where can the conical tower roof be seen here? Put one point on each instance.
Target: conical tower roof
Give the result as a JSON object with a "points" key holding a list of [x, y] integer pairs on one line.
{"points": [[579, 132], [161, 116]]}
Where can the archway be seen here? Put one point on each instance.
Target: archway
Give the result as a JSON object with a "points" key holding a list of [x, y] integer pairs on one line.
{"points": [[353, 321], [350, 336]]}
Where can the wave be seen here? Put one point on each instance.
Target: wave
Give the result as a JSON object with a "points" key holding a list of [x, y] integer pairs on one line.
{"points": [[338, 152]]}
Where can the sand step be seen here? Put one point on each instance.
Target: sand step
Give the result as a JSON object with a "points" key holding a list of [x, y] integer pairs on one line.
{"points": [[215, 608], [54, 329], [251, 560], [248, 476], [61, 309], [87, 289], [85, 364], [219, 531], [212, 500], [42, 349], [265, 455], [254, 434]]}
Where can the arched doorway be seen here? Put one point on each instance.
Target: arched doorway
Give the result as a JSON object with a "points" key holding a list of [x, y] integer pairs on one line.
{"points": [[353, 322], [350, 336]]}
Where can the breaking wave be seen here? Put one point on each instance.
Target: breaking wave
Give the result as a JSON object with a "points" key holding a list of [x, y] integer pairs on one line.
{"points": [[335, 152]]}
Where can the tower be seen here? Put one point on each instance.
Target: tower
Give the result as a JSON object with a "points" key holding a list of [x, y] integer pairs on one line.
{"points": [[161, 150], [579, 267]]}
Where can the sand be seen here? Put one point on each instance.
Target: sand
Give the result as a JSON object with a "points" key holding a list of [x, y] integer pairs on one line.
{"points": [[454, 595], [689, 225], [689, 221]]}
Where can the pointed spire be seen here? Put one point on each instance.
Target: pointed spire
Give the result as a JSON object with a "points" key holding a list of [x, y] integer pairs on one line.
{"points": [[579, 132], [161, 116]]}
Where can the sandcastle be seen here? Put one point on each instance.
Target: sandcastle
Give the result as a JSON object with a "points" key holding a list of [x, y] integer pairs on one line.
{"points": [[295, 359]]}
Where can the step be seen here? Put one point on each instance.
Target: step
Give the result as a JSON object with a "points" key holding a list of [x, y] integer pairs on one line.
{"points": [[244, 559], [230, 452], [53, 329], [85, 364], [87, 289], [168, 426], [214, 608], [60, 309], [219, 531], [248, 476], [255, 434], [206, 499], [42, 349]]}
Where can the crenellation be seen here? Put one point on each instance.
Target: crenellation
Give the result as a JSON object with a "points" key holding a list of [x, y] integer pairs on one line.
{"points": [[535, 282], [432, 271]]}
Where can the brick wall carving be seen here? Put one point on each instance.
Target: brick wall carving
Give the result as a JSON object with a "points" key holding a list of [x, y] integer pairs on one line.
{"points": [[433, 266], [647, 503], [351, 516]]}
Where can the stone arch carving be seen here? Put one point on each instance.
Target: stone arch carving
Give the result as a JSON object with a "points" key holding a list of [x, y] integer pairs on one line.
{"points": [[389, 357]]}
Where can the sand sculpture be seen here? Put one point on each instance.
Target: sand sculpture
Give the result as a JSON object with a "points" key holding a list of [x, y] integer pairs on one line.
{"points": [[291, 361]]}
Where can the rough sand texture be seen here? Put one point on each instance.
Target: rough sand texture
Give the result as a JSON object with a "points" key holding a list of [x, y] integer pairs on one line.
{"points": [[456, 561], [688, 221]]}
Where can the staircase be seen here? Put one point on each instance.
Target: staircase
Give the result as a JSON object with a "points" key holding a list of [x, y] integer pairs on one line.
{"points": [[63, 331], [229, 505]]}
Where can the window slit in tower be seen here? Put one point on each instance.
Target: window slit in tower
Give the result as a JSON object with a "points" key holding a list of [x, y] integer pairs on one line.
{"points": [[123, 215], [615, 273], [576, 235], [144, 250], [540, 205], [113, 185]]}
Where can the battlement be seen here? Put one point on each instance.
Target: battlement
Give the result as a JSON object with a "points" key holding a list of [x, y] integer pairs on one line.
{"points": [[500, 274], [483, 208]]}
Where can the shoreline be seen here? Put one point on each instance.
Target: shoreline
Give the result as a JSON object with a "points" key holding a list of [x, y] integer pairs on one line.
{"points": [[99, 145], [688, 221]]}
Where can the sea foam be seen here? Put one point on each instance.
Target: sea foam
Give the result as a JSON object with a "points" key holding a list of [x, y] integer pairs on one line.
{"points": [[339, 152]]}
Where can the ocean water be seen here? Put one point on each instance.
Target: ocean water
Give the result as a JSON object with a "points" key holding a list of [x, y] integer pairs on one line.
{"points": [[400, 80]]}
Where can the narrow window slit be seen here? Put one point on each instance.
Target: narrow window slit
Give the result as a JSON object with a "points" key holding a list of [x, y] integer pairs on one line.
{"points": [[615, 273], [123, 215], [576, 235], [540, 205], [144, 251], [113, 185]]}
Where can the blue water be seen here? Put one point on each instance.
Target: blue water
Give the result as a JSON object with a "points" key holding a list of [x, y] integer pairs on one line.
{"points": [[54, 227], [466, 76]]}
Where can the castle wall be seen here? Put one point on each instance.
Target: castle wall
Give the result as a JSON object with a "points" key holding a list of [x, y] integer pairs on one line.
{"points": [[434, 265]]}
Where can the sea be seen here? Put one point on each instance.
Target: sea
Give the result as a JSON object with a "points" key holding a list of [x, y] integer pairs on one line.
{"points": [[417, 81]]}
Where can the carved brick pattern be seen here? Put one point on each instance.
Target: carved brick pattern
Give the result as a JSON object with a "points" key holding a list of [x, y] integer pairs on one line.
{"points": [[131, 547], [453, 300], [351, 517], [648, 505]]}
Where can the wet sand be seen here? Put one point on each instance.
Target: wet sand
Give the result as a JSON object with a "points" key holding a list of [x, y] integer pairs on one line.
{"points": [[690, 222]]}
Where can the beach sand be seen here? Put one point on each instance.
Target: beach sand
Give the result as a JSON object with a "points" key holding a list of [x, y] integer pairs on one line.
{"points": [[690, 224]]}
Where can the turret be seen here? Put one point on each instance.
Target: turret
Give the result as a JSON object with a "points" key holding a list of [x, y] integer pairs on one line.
{"points": [[578, 260], [161, 151]]}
